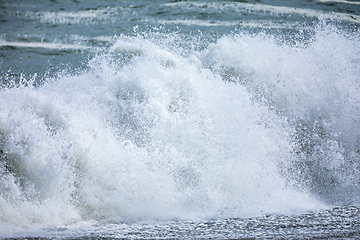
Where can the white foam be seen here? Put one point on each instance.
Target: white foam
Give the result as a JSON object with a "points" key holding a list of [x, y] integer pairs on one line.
{"points": [[240, 8], [75, 17], [150, 133], [341, 1], [47, 45]]}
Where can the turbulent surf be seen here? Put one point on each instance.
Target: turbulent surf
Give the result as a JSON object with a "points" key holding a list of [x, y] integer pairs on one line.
{"points": [[166, 124]]}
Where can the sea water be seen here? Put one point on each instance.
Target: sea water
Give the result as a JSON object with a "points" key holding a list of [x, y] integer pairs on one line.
{"points": [[180, 119]]}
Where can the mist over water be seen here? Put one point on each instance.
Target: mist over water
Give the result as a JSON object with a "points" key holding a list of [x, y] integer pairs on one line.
{"points": [[174, 123]]}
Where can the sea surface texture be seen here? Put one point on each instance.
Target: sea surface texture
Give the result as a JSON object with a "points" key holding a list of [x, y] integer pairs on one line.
{"points": [[180, 119]]}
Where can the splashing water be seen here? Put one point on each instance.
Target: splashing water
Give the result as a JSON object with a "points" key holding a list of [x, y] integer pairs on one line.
{"points": [[250, 125]]}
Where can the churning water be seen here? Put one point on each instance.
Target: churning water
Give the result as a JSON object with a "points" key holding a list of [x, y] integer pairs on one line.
{"points": [[180, 119]]}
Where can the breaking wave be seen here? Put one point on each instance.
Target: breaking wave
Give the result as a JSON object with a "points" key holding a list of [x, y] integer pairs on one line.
{"points": [[249, 125]]}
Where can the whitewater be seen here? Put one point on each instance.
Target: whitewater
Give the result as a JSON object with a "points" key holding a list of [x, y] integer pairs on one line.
{"points": [[161, 131]]}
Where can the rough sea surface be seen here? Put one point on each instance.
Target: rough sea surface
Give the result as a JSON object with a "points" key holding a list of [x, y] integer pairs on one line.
{"points": [[180, 119]]}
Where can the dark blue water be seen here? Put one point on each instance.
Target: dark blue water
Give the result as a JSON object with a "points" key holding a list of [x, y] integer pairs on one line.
{"points": [[179, 119]]}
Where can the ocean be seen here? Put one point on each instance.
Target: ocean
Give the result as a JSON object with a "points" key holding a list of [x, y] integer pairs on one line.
{"points": [[179, 119]]}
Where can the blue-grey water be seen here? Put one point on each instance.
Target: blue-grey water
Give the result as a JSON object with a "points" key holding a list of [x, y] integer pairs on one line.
{"points": [[180, 119]]}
